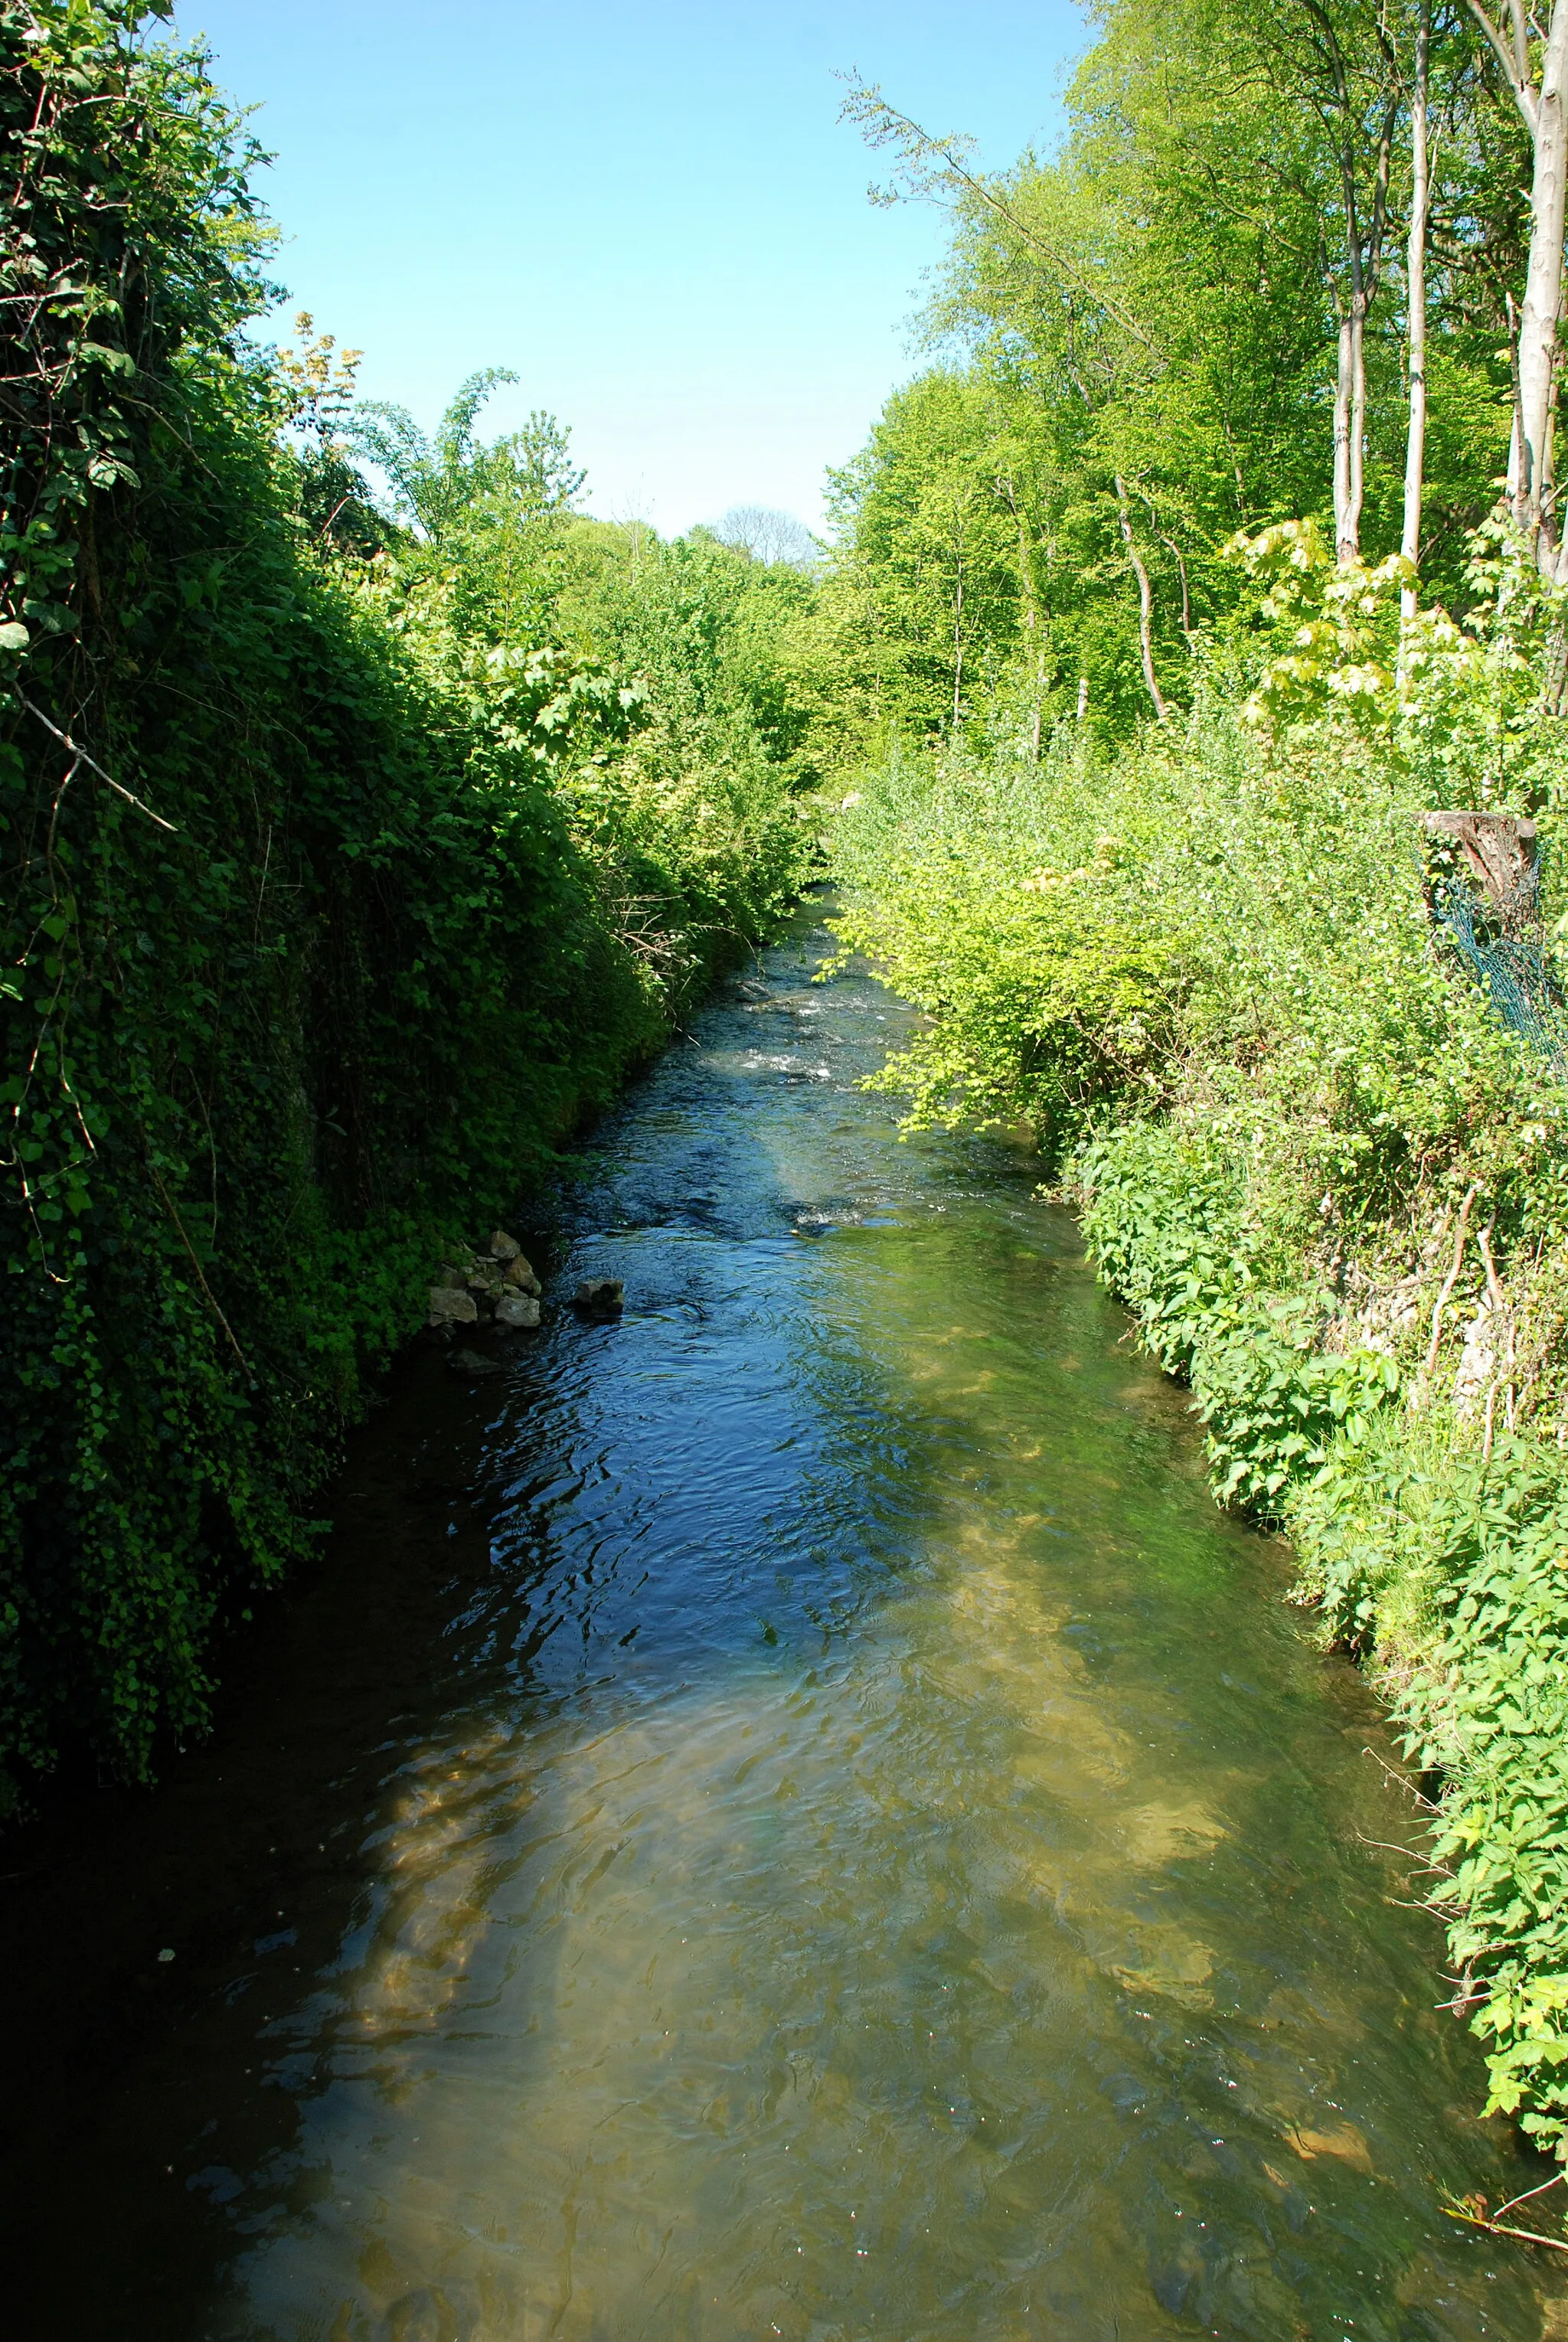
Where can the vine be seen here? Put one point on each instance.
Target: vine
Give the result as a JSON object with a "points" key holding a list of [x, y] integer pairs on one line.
{"points": [[310, 957]]}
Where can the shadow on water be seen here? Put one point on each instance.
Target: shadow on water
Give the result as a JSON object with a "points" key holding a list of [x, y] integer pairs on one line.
{"points": [[790, 1814]]}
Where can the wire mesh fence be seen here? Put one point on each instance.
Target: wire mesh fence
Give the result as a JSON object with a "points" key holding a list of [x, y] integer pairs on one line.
{"points": [[1502, 944]]}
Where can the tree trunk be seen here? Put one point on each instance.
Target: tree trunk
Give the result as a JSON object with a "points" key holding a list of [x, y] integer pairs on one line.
{"points": [[1176, 552], [1357, 422], [1542, 104], [958, 645], [1346, 532], [1350, 385], [1363, 254], [1415, 277], [1531, 489], [1145, 598]]}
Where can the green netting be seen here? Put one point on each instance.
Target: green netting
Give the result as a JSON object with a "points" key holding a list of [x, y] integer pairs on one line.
{"points": [[1504, 953]]}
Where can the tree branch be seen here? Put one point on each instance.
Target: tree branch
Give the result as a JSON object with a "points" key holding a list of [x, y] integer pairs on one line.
{"points": [[93, 766], [880, 123], [1516, 73]]}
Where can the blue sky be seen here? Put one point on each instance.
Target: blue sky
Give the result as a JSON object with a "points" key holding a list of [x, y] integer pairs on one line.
{"points": [[651, 214]]}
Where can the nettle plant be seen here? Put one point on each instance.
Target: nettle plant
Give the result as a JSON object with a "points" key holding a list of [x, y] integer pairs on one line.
{"points": [[1469, 706]]}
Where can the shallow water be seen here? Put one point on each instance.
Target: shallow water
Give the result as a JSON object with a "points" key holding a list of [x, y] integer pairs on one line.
{"points": [[865, 1848]]}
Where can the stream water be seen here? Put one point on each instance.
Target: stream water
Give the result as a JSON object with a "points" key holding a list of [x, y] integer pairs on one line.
{"points": [[789, 1814]]}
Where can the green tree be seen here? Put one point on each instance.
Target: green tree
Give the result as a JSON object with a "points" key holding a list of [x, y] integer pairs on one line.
{"points": [[928, 557], [457, 480]]}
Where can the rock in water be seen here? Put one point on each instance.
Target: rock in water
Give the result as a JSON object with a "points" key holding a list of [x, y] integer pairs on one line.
{"points": [[503, 1247], [450, 1306], [600, 1296], [424, 2316], [516, 1309], [469, 1362]]}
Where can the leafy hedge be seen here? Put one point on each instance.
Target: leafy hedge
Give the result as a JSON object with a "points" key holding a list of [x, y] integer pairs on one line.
{"points": [[314, 913]]}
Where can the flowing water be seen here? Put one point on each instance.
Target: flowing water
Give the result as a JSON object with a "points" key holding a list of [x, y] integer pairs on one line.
{"points": [[865, 1848]]}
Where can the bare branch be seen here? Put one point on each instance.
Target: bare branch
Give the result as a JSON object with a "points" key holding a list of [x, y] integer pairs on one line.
{"points": [[93, 766], [881, 123]]}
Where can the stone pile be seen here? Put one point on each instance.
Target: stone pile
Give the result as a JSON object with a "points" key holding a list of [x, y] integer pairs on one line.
{"points": [[496, 1287]]}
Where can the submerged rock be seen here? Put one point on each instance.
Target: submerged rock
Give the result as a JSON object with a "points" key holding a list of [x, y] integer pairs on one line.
{"points": [[470, 1362], [450, 1305], [600, 1296], [423, 2316], [514, 1310]]}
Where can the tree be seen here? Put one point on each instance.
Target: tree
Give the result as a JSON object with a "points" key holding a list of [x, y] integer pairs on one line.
{"points": [[925, 551], [1340, 60], [317, 381], [1415, 295], [1534, 67], [1225, 302], [454, 479], [768, 535]]}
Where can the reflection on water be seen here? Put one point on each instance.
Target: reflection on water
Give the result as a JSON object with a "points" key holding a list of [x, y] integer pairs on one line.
{"points": [[879, 1857]]}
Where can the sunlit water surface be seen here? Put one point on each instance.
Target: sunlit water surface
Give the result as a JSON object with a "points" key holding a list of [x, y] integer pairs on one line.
{"points": [[882, 1858]]}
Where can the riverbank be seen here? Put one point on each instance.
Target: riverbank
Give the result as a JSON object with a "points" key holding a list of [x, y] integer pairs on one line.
{"points": [[823, 1755], [353, 857], [1330, 1184]]}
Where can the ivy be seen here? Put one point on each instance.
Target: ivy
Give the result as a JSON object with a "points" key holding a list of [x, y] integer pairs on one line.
{"points": [[313, 952]]}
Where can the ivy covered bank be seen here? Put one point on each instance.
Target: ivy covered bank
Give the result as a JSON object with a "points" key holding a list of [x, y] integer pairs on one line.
{"points": [[347, 861]]}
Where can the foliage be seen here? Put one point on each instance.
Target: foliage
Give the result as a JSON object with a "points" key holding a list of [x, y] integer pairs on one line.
{"points": [[928, 552], [336, 889], [1136, 345], [1043, 998], [1168, 1234], [454, 481], [1332, 1188], [1466, 707]]}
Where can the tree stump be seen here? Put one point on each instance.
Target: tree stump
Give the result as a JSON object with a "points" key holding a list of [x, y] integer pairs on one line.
{"points": [[1497, 850]]}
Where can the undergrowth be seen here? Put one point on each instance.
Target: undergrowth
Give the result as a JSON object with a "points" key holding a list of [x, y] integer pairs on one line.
{"points": [[329, 903], [1334, 1193]]}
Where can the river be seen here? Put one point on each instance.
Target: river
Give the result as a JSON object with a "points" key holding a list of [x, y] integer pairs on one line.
{"points": [[788, 1814]]}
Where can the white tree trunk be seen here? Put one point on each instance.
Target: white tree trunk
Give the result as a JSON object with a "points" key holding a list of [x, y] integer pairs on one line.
{"points": [[1145, 598], [1346, 534], [1542, 104], [1363, 255], [958, 646], [1531, 489], [1415, 276], [1357, 422]]}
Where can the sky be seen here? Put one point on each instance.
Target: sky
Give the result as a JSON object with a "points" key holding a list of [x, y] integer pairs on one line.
{"points": [[649, 213]]}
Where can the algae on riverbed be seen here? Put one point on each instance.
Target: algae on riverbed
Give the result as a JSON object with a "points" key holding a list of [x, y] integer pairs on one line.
{"points": [[873, 1851]]}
